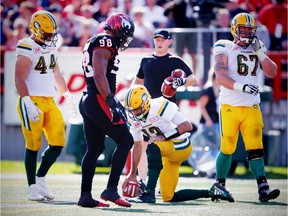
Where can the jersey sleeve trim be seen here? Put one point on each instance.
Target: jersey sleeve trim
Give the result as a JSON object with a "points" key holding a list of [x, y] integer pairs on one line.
{"points": [[24, 46], [163, 108]]}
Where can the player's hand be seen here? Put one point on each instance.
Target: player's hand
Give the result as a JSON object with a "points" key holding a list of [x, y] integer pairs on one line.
{"points": [[178, 81], [130, 177], [258, 48], [72, 106], [32, 109], [155, 139], [250, 89], [117, 109], [255, 45]]}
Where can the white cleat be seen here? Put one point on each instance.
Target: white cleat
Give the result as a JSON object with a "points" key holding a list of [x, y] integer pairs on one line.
{"points": [[33, 193], [42, 188]]}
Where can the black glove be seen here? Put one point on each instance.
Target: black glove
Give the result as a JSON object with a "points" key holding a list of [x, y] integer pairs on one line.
{"points": [[178, 81], [250, 89], [116, 108]]}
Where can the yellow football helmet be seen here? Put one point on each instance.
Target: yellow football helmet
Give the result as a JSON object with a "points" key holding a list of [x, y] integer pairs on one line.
{"points": [[243, 20], [44, 28], [137, 102]]}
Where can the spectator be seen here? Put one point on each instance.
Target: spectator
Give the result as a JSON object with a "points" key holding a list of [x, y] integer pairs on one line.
{"points": [[182, 15], [262, 32], [254, 5], [105, 7], [126, 7], [223, 21], [143, 30], [274, 17], [154, 14], [20, 31]]}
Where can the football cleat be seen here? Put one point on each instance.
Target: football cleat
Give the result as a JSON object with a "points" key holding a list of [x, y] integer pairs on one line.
{"points": [[146, 197], [141, 187], [219, 192], [113, 196], [266, 195], [88, 201], [42, 188], [33, 193]]}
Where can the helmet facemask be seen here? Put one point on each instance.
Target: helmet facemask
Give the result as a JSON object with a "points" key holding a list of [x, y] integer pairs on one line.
{"points": [[248, 35], [49, 39]]}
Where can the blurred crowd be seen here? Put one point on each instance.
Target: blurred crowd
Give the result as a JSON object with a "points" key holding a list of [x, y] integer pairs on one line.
{"points": [[80, 19]]}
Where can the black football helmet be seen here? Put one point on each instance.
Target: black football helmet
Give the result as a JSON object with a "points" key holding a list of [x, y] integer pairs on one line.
{"points": [[122, 28]]}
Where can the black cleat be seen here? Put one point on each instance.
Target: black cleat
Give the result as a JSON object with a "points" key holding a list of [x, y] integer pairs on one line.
{"points": [[219, 192], [146, 197], [89, 202], [141, 187], [266, 195]]}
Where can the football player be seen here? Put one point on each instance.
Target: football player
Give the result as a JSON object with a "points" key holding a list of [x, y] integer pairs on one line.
{"points": [[169, 145], [36, 76], [154, 69], [237, 66], [102, 113]]}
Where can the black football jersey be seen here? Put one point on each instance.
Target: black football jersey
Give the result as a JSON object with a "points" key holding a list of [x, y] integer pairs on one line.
{"points": [[154, 69], [100, 41]]}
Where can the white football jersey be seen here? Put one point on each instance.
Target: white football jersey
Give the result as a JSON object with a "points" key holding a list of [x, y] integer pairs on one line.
{"points": [[243, 67], [40, 80], [158, 120]]}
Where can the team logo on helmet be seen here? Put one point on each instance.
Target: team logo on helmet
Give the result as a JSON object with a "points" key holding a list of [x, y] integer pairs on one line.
{"points": [[37, 25], [125, 23]]}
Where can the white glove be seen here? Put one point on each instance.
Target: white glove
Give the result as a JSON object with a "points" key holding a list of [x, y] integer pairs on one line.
{"points": [[32, 109], [178, 81], [72, 106], [260, 50], [246, 88]]}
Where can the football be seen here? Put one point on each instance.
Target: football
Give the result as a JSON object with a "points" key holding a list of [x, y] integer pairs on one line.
{"points": [[178, 73], [131, 189], [167, 87]]}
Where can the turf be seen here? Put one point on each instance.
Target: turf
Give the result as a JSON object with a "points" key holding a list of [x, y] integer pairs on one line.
{"points": [[66, 189]]}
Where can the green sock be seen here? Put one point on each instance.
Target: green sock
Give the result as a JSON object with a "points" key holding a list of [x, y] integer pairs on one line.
{"points": [[257, 167], [189, 194], [30, 162], [49, 156], [153, 175], [223, 164]]}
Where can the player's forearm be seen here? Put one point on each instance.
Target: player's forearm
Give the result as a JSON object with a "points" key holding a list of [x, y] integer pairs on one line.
{"points": [[269, 67], [136, 155], [191, 80]]}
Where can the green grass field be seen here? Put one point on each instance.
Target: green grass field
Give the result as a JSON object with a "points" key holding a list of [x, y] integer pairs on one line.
{"points": [[64, 181]]}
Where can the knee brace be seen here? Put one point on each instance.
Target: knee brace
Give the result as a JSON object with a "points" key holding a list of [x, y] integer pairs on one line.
{"points": [[255, 154], [154, 157]]}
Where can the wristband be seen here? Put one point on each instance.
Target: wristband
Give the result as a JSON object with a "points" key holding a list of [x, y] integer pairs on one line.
{"points": [[261, 55], [171, 134], [238, 86]]}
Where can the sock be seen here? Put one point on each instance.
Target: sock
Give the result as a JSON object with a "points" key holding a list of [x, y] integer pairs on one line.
{"points": [[189, 194], [49, 156], [223, 164], [257, 167], [153, 175], [30, 161]]}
